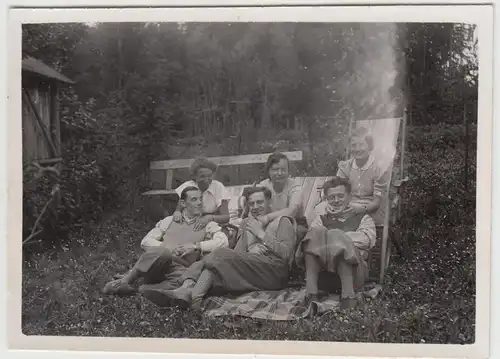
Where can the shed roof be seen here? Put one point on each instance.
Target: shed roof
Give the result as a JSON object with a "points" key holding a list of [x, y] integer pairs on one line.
{"points": [[33, 65]]}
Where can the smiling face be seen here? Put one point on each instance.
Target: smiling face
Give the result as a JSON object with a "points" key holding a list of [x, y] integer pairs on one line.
{"points": [[279, 172], [359, 148], [258, 204], [338, 198], [193, 203], [204, 177]]}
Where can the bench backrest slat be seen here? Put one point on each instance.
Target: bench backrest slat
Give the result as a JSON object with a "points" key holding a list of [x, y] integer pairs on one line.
{"points": [[222, 161]]}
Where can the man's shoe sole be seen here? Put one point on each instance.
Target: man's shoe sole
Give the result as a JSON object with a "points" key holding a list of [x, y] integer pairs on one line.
{"points": [[162, 299]]}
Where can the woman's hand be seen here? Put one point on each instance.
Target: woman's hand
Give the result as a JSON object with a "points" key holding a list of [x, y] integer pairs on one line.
{"points": [[264, 220], [177, 216], [202, 223]]}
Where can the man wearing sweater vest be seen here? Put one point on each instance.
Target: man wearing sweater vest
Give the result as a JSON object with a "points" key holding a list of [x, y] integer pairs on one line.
{"points": [[260, 260], [338, 242], [170, 248]]}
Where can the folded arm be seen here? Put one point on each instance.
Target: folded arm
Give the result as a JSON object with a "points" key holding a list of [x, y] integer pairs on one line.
{"points": [[293, 206]]}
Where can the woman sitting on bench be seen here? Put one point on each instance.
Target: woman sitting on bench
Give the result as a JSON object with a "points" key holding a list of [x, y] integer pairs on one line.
{"points": [[286, 192], [215, 195]]}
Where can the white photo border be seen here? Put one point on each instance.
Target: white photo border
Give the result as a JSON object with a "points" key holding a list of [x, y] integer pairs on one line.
{"points": [[481, 15]]}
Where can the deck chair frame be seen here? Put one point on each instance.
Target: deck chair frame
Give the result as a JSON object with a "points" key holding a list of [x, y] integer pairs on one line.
{"points": [[392, 205]]}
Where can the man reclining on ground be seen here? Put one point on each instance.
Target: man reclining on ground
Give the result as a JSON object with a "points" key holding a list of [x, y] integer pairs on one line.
{"points": [[170, 248], [337, 243], [260, 260]]}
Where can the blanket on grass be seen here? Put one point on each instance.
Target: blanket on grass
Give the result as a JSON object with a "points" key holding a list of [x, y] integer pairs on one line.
{"points": [[286, 304]]}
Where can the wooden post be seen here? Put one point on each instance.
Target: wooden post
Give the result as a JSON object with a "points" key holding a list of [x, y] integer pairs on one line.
{"points": [[403, 145], [169, 179], [349, 134], [54, 117]]}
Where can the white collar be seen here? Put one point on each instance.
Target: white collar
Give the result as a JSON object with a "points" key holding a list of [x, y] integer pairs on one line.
{"points": [[366, 165]]}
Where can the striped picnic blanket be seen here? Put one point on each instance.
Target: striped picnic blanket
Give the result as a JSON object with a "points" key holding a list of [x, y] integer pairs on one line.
{"points": [[286, 304]]}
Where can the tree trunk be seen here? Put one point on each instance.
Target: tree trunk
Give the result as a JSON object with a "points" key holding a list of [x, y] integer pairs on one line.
{"points": [[265, 118]]}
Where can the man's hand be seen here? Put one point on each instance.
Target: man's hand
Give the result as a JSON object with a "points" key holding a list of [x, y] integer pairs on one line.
{"points": [[256, 227], [177, 216], [202, 222], [184, 249], [178, 251]]}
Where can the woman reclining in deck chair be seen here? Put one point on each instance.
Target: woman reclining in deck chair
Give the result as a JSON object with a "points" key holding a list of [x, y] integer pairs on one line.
{"points": [[338, 241], [368, 181], [215, 196], [260, 260]]}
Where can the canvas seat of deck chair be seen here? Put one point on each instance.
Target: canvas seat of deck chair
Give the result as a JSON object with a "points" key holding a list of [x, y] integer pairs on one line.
{"points": [[385, 133]]}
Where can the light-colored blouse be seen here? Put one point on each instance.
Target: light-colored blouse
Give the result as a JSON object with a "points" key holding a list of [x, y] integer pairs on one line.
{"points": [[212, 197], [291, 193], [366, 182]]}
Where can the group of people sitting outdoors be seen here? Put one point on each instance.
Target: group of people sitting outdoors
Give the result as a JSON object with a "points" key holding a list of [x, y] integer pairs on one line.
{"points": [[190, 255]]}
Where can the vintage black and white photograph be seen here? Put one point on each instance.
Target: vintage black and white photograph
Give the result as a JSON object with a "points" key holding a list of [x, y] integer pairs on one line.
{"points": [[258, 180]]}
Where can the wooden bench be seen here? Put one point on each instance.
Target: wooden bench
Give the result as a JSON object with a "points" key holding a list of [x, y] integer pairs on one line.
{"points": [[170, 166], [161, 201]]}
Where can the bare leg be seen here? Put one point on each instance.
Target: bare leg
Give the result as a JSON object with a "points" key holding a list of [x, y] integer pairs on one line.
{"points": [[312, 273], [347, 296]]}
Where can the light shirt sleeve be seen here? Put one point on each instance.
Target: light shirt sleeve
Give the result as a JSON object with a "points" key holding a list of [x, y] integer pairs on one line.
{"points": [[364, 237], [295, 196], [316, 222], [221, 193], [343, 169], [155, 236], [215, 238]]}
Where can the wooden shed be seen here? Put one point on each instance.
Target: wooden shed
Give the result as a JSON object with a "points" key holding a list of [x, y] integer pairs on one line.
{"points": [[40, 111], [41, 131]]}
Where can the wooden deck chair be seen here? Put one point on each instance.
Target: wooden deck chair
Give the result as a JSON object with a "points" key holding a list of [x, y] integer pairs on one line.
{"points": [[385, 133]]}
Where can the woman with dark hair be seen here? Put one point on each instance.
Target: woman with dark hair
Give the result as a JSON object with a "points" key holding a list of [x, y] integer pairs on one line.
{"points": [[286, 192], [215, 196], [368, 181]]}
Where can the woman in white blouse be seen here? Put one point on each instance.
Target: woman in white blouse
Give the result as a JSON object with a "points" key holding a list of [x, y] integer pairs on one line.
{"points": [[215, 196]]}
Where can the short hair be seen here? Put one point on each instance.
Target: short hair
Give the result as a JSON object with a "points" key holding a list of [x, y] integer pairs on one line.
{"points": [[335, 182], [186, 190], [273, 159], [363, 133], [248, 191], [202, 162]]}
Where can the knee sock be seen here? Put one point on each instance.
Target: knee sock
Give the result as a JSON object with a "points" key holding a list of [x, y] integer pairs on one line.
{"points": [[312, 273], [188, 283], [203, 284], [346, 274]]}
